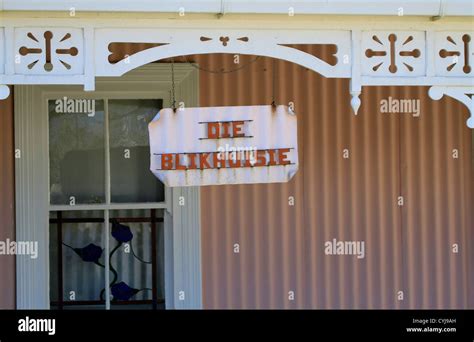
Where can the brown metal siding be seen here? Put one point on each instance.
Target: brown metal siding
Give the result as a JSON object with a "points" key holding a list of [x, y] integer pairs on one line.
{"points": [[282, 247], [7, 200]]}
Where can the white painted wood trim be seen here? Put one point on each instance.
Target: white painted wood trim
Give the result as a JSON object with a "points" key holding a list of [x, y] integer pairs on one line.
{"points": [[183, 256], [187, 278], [465, 95], [345, 7], [187, 248], [262, 34], [112, 206], [169, 260], [31, 192]]}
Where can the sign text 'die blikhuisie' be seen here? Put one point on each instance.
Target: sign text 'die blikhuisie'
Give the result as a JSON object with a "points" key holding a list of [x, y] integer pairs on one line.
{"points": [[220, 159], [224, 145]]}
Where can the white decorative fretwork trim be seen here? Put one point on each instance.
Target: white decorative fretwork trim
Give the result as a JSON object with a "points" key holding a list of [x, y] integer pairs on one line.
{"points": [[78, 51]]}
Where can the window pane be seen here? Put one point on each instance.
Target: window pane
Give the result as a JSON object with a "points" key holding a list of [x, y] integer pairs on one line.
{"points": [[82, 245], [136, 237], [76, 151], [130, 175], [136, 256]]}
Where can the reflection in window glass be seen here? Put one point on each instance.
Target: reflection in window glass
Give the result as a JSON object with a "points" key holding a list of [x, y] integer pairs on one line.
{"points": [[76, 151], [130, 175]]}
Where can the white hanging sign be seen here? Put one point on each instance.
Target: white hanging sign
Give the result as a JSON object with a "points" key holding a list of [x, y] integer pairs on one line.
{"points": [[224, 145]]}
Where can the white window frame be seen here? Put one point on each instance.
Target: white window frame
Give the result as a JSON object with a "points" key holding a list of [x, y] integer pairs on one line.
{"points": [[182, 223]]}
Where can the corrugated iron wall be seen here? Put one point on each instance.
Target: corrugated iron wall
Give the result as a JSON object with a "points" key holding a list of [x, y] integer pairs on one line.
{"points": [[7, 202], [408, 247]]}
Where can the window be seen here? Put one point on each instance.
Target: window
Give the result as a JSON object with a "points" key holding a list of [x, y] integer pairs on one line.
{"points": [[45, 188], [106, 207]]}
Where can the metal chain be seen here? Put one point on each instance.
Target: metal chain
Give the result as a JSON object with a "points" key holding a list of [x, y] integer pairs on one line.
{"points": [[173, 92], [228, 72], [220, 71], [273, 83]]}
